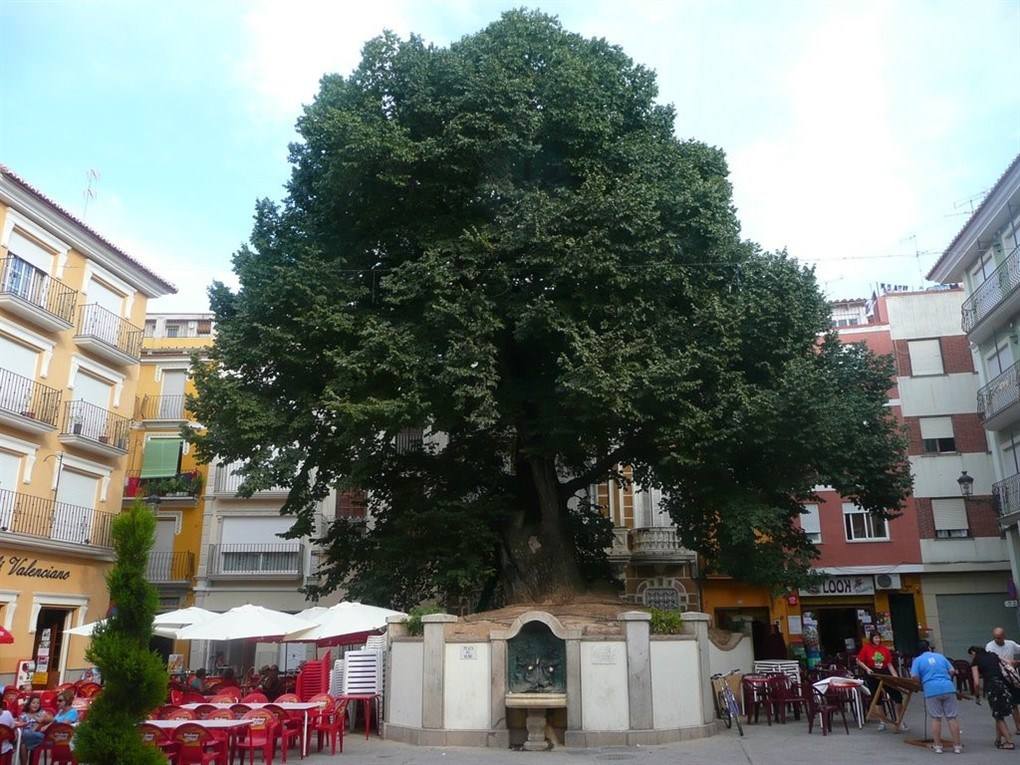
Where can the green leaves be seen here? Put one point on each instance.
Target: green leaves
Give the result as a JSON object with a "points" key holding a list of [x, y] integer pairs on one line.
{"points": [[505, 242]]}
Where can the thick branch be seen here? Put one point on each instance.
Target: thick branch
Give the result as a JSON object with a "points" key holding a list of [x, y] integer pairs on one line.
{"points": [[603, 464]]}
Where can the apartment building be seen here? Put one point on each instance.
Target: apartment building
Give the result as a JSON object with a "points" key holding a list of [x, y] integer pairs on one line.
{"points": [[162, 469], [71, 311], [928, 572], [985, 256]]}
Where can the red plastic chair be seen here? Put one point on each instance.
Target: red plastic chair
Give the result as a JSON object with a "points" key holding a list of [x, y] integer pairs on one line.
{"points": [[820, 705], [7, 734], [158, 738], [229, 690], [202, 711], [193, 697], [221, 714], [331, 722], [57, 745], [255, 698], [89, 690], [198, 745], [223, 698], [288, 728], [10, 700], [65, 687], [180, 714], [239, 710], [290, 698], [261, 735], [176, 697], [48, 701]]}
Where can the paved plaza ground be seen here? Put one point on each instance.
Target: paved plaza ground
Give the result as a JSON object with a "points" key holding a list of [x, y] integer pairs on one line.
{"points": [[787, 744]]}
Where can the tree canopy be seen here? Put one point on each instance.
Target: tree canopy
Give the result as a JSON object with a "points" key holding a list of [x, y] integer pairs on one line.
{"points": [[504, 241]]}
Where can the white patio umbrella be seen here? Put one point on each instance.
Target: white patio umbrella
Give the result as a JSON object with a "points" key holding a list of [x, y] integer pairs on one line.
{"points": [[86, 630], [182, 617], [312, 614], [346, 622], [245, 622]]}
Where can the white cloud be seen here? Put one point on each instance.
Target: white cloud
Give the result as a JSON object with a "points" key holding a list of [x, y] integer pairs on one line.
{"points": [[289, 46]]}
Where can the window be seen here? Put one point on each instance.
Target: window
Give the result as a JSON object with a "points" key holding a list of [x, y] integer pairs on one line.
{"points": [[950, 518], [352, 505], [811, 523], [410, 440], [150, 327], [204, 327], [862, 526], [982, 269], [937, 435], [173, 329], [925, 357]]}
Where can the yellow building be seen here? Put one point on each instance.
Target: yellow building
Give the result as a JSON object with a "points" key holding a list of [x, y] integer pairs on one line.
{"points": [[72, 307]]}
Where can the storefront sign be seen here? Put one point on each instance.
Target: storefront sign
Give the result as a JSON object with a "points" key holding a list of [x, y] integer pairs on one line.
{"points": [[15, 565], [841, 585]]}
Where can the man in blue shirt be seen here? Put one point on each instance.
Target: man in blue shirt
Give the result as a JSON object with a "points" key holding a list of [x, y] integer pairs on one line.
{"points": [[936, 676]]}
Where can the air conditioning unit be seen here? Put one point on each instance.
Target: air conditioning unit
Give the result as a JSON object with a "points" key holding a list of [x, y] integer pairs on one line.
{"points": [[887, 582]]}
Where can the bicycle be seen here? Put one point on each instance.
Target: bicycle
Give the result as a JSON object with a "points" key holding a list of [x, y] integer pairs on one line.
{"points": [[726, 707]]}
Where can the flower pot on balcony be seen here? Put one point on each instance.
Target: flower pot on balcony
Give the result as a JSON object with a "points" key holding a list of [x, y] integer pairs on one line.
{"points": [[104, 439], [29, 415], [133, 482], [76, 428]]}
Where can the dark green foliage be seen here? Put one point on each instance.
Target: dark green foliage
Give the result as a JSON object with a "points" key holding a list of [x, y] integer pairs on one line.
{"points": [[666, 622], [134, 678], [415, 626], [505, 242]]}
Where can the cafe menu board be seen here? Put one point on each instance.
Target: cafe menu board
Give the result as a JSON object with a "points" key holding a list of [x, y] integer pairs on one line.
{"points": [[175, 663], [812, 647], [26, 668]]}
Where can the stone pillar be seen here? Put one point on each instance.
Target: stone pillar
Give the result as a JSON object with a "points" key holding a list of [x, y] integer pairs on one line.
{"points": [[573, 687], [433, 659], [697, 624], [497, 684], [637, 628], [396, 626]]}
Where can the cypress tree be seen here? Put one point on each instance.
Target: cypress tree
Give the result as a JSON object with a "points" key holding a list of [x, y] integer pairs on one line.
{"points": [[135, 680]]}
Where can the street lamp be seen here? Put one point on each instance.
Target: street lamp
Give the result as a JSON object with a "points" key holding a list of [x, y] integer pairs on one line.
{"points": [[966, 484]]}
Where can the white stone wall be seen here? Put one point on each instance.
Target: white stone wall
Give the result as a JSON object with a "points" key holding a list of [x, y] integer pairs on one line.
{"points": [[938, 394], [405, 694], [466, 680], [924, 315], [604, 694], [676, 698], [935, 476], [982, 549], [739, 657]]}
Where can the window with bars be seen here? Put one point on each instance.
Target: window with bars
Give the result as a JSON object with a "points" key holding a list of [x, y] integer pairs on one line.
{"points": [[352, 505], [862, 526]]}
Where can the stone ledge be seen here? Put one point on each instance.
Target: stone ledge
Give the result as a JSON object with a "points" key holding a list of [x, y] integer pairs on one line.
{"points": [[573, 739]]}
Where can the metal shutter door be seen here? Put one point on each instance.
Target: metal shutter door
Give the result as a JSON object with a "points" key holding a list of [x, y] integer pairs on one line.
{"points": [[967, 620]]}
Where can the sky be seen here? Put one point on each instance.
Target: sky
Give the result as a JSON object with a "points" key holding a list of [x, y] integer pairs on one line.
{"points": [[859, 134]]}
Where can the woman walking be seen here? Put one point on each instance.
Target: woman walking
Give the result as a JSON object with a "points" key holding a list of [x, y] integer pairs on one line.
{"points": [[986, 671]]}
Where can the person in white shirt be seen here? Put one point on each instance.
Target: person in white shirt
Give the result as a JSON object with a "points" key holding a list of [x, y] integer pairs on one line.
{"points": [[6, 718], [1007, 651], [1001, 647]]}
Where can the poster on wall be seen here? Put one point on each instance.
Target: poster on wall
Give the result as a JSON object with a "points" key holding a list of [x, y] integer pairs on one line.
{"points": [[26, 668], [884, 626], [42, 654], [175, 663]]}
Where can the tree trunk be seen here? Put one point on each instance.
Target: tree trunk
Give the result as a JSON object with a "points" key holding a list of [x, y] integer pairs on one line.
{"points": [[539, 564]]}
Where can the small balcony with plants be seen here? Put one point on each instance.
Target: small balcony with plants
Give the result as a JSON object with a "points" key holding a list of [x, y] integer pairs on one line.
{"points": [[177, 489], [94, 429], [26, 404], [35, 296]]}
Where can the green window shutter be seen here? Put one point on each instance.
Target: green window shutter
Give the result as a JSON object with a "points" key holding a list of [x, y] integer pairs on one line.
{"points": [[160, 457]]}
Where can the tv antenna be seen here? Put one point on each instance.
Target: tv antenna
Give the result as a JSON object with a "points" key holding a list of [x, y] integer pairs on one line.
{"points": [[92, 180], [967, 206]]}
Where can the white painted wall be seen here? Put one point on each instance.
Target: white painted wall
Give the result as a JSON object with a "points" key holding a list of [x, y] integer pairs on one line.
{"points": [[466, 682], [604, 697], [740, 657], [676, 694], [938, 394], [974, 550], [405, 683], [928, 314], [936, 476]]}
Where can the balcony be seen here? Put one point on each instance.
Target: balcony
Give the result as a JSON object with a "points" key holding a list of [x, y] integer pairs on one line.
{"points": [[108, 336], [659, 544], [1006, 496], [170, 567], [181, 489], [94, 429], [35, 296], [258, 560], [998, 291], [997, 400], [30, 518], [167, 409], [228, 481], [26, 404]]}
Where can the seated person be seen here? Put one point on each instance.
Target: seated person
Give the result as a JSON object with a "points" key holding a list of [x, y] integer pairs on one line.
{"points": [[32, 718], [198, 681], [228, 676], [6, 718], [65, 713]]}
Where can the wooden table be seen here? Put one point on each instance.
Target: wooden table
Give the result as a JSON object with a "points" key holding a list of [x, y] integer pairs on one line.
{"points": [[907, 686], [366, 700], [289, 706]]}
